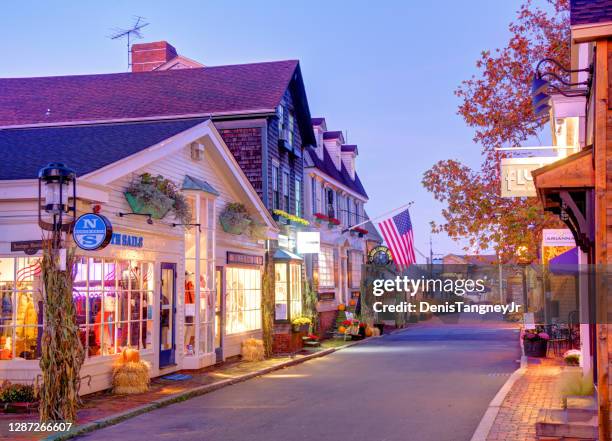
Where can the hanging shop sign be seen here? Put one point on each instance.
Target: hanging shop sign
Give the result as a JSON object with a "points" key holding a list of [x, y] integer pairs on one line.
{"points": [[557, 237], [516, 179], [243, 259], [283, 241], [380, 255], [30, 247], [308, 242], [92, 231]]}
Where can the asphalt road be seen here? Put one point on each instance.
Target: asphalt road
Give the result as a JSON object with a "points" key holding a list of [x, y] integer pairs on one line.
{"points": [[427, 383]]}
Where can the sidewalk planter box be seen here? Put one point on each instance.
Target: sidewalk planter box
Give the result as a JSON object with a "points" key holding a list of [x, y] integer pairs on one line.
{"points": [[535, 348], [300, 328], [140, 207], [19, 407]]}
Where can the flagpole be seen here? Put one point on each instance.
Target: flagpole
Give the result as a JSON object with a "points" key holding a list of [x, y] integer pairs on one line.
{"points": [[378, 217]]}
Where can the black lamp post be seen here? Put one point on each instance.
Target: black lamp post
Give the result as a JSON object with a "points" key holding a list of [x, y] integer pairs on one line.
{"points": [[59, 210]]}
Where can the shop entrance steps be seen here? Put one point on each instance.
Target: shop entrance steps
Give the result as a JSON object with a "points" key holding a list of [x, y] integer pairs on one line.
{"points": [[577, 422]]}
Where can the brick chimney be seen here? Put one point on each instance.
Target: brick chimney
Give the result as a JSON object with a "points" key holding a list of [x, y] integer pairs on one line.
{"points": [[149, 56]]}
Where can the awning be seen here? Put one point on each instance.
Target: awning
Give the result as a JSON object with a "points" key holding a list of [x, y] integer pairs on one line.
{"points": [[565, 189], [281, 254], [191, 183], [565, 263]]}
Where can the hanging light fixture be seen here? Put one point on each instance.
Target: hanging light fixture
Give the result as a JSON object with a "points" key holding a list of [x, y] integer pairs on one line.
{"points": [[56, 204]]}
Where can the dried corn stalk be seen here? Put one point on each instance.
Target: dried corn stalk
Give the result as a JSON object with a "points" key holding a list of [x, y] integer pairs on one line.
{"points": [[62, 352]]}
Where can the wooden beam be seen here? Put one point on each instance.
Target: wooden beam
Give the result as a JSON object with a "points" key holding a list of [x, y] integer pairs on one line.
{"points": [[601, 246]]}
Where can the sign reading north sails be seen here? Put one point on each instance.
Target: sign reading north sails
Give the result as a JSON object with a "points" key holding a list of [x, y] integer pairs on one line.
{"points": [[92, 232]]}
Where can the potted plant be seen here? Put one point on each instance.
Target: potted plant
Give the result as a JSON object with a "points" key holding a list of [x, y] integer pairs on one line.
{"points": [[234, 218], [301, 324], [572, 357], [17, 398], [156, 196], [535, 343]]}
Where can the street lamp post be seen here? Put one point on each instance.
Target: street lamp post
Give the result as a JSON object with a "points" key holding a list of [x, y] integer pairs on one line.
{"points": [[56, 212]]}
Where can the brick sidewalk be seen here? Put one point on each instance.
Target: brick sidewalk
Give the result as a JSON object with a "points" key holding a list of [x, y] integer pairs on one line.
{"points": [[104, 404], [535, 390]]}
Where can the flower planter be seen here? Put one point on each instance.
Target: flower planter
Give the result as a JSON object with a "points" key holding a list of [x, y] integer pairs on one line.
{"points": [[535, 348], [138, 206], [19, 407], [233, 227], [300, 328], [330, 225]]}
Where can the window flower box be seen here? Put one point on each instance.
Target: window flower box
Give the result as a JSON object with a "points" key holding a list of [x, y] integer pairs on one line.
{"points": [[333, 222], [285, 218], [360, 231]]}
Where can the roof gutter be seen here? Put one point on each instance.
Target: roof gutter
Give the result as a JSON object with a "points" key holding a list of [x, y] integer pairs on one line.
{"points": [[214, 115]]}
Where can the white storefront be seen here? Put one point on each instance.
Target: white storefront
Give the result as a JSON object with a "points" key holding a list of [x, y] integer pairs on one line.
{"points": [[185, 296]]}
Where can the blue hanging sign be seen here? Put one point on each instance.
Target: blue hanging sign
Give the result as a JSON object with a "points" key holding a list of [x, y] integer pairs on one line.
{"points": [[92, 232]]}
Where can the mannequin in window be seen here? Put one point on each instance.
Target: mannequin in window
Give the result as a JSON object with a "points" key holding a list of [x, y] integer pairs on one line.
{"points": [[189, 313], [105, 326]]}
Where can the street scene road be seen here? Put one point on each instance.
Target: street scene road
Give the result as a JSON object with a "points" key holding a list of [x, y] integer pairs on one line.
{"points": [[428, 382]]}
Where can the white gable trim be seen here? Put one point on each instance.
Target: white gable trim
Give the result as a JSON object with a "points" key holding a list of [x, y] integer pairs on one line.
{"points": [[315, 171], [205, 131]]}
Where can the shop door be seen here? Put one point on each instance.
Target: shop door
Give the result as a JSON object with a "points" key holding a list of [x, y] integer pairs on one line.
{"points": [[219, 313], [167, 313]]}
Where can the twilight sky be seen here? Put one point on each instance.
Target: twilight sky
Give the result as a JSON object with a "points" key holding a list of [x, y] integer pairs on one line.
{"points": [[382, 72]]}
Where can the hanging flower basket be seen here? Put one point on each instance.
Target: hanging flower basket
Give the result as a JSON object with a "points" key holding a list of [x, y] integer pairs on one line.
{"points": [[157, 196], [235, 219], [141, 207]]}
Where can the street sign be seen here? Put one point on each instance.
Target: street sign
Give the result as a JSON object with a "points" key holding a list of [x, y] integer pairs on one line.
{"points": [[516, 179], [92, 232], [557, 237]]}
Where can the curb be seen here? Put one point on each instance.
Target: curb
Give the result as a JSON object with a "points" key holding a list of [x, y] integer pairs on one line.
{"points": [[188, 394], [488, 419]]}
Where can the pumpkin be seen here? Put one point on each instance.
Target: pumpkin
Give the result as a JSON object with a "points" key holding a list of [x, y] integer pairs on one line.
{"points": [[130, 355], [341, 329], [368, 332], [352, 302], [341, 307]]}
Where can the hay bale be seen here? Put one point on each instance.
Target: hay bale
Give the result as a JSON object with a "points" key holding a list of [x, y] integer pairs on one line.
{"points": [[131, 377], [253, 350]]}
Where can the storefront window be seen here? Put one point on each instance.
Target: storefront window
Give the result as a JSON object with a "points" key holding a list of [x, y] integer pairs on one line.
{"points": [[281, 288], [296, 290], [200, 279], [113, 300], [21, 303], [243, 299], [355, 263], [326, 267], [287, 290]]}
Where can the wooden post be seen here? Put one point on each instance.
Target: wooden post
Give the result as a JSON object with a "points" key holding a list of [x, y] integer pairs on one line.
{"points": [[600, 158]]}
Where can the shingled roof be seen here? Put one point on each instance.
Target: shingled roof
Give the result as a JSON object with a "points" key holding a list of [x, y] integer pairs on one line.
{"points": [[326, 165], [84, 148], [242, 88], [584, 12]]}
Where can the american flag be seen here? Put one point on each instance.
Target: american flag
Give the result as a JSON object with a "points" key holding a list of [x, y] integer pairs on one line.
{"points": [[397, 232]]}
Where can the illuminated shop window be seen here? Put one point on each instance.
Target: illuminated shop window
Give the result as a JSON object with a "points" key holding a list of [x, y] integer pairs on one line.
{"points": [[199, 279], [355, 263], [111, 300], [287, 290], [326, 267], [243, 299], [21, 313]]}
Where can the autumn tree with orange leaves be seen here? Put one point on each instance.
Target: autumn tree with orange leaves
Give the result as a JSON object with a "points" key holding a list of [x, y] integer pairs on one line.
{"points": [[497, 104]]}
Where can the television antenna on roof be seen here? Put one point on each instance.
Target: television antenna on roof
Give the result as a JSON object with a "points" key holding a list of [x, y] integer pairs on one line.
{"points": [[134, 31]]}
